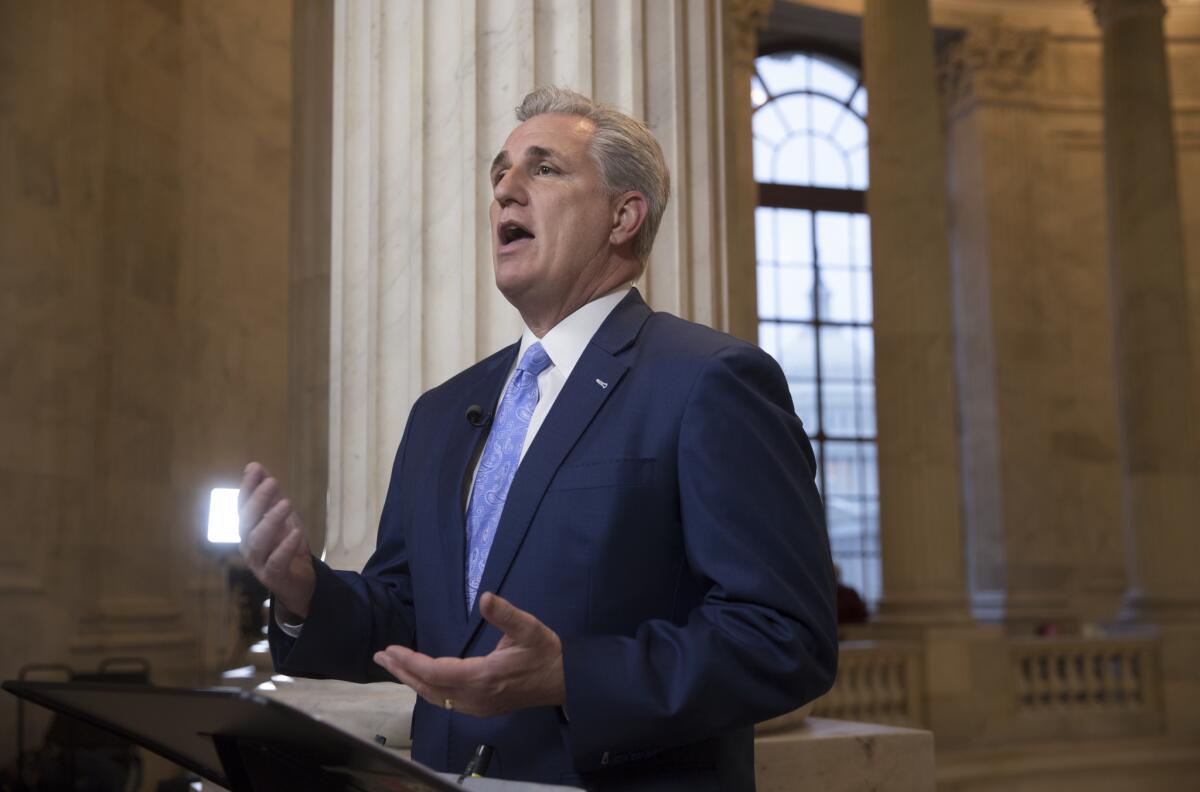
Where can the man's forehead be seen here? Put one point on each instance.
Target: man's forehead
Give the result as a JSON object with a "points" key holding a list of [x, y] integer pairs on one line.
{"points": [[555, 132]]}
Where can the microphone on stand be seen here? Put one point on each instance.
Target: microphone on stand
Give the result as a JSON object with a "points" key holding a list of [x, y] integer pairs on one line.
{"points": [[476, 416]]}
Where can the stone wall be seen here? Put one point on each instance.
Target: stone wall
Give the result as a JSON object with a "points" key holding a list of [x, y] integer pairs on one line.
{"points": [[144, 166]]}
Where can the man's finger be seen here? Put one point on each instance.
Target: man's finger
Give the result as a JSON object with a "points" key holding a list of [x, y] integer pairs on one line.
{"points": [[251, 477], [390, 665], [517, 624], [278, 563], [293, 524], [266, 536], [257, 504], [425, 689], [442, 672]]}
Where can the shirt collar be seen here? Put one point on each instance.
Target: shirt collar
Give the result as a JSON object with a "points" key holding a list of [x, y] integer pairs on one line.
{"points": [[565, 342]]}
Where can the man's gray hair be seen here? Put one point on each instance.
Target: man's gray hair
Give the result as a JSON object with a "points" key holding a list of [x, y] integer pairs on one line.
{"points": [[625, 151]]}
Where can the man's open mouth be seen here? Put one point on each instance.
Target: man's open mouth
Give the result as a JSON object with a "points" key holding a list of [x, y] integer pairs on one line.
{"points": [[511, 231]]}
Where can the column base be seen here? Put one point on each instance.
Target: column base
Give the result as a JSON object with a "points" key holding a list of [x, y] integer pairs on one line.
{"points": [[1024, 613], [1148, 608], [924, 611]]}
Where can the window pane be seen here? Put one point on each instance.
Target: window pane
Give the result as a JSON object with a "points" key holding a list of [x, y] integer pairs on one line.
{"points": [[824, 114], [794, 229], [794, 296], [870, 485], [864, 396], [860, 230], [839, 411], [858, 173], [829, 165], [837, 294], [768, 338], [792, 162], [847, 354], [851, 571], [864, 349], [842, 463], [763, 161], [832, 78], [804, 397], [859, 102], [850, 133], [818, 452], [845, 526], [768, 277], [764, 234], [796, 352], [863, 307], [873, 585], [834, 238], [768, 126], [783, 72], [837, 354]]}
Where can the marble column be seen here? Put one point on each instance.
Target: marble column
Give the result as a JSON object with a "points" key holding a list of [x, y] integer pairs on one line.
{"points": [[1014, 366], [423, 97], [1156, 402], [919, 484]]}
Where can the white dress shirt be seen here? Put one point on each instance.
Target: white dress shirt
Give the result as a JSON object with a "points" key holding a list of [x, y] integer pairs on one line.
{"points": [[564, 343]]}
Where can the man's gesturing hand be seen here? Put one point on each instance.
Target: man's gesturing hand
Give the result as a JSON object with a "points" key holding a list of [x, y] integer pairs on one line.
{"points": [[273, 543], [524, 670]]}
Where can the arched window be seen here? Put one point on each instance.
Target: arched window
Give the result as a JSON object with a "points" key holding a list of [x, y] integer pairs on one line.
{"points": [[814, 282]]}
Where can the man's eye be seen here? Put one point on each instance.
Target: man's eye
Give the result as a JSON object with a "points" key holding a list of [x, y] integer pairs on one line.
{"points": [[496, 179], [544, 170]]}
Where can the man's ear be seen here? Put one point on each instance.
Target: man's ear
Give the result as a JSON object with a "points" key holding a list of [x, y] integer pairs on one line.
{"points": [[629, 212]]}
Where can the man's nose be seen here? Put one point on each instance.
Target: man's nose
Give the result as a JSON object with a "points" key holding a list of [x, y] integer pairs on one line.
{"points": [[510, 188]]}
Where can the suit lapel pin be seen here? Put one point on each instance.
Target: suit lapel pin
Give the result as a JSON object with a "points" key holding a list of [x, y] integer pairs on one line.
{"points": [[601, 383]]}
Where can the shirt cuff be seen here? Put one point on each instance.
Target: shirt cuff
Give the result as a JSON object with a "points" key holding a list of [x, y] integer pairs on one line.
{"points": [[288, 629]]}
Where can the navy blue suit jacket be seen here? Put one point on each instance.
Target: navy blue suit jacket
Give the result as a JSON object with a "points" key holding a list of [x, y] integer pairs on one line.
{"points": [[664, 522]]}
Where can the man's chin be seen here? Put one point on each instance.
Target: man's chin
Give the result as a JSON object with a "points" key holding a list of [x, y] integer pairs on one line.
{"points": [[514, 285]]}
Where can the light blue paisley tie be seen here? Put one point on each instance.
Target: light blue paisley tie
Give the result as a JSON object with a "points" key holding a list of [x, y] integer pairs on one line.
{"points": [[499, 462]]}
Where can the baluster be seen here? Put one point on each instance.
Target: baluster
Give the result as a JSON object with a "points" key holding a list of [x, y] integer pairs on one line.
{"points": [[1025, 681], [1100, 698], [1079, 678], [1133, 678]]}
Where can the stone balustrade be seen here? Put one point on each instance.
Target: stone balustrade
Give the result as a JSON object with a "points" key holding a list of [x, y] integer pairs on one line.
{"points": [[878, 682], [1082, 673], [1085, 687]]}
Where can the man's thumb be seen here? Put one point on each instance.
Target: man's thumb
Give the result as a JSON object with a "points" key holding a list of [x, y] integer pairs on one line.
{"points": [[502, 614]]}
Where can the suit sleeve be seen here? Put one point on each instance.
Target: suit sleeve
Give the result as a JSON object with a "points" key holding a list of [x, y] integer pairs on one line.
{"points": [[353, 615], [763, 640]]}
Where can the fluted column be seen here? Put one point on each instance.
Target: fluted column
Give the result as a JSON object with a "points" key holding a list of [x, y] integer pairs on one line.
{"points": [[919, 485], [1156, 402], [1029, 545], [423, 97]]}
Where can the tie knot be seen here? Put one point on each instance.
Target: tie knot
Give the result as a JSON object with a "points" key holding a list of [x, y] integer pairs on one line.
{"points": [[535, 360]]}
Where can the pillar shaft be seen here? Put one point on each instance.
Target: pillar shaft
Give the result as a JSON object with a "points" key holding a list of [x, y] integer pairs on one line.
{"points": [[1156, 403], [919, 486], [1032, 551]]}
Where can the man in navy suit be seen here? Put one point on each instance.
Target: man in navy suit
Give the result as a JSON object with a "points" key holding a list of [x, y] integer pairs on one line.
{"points": [[602, 551]]}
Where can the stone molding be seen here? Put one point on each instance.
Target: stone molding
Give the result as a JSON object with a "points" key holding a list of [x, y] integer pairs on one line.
{"points": [[991, 64], [747, 17], [1111, 11]]}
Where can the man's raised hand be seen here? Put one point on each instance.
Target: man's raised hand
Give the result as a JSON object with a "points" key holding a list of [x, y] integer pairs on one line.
{"points": [[273, 543], [524, 670]]}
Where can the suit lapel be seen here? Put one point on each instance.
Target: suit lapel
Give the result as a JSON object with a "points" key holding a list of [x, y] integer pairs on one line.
{"points": [[595, 377], [462, 439]]}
